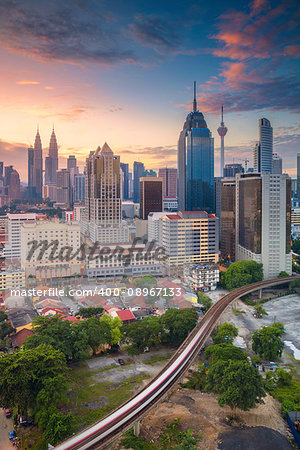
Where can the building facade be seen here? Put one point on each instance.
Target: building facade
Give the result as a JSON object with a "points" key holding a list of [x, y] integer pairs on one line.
{"points": [[201, 277], [37, 170], [12, 250], [276, 164], [195, 164], [189, 237], [125, 185], [103, 215], [263, 150], [230, 170], [55, 261], [169, 177], [151, 196], [51, 161], [79, 187], [63, 187], [138, 170], [228, 219], [263, 221]]}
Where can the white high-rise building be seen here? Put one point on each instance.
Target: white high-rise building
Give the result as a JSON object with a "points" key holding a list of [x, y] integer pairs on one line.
{"points": [[263, 221], [103, 217], [263, 150], [155, 225], [12, 250]]}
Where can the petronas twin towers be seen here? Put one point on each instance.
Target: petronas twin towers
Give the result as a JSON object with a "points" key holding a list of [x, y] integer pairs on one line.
{"points": [[35, 165]]}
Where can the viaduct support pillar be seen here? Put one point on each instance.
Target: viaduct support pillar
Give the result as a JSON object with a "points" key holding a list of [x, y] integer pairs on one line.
{"points": [[260, 294], [137, 428]]}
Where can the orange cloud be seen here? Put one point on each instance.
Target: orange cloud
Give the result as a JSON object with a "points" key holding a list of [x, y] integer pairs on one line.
{"points": [[26, 82]]}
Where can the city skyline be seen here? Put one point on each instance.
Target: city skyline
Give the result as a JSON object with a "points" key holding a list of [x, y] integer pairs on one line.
{"points": [[125, 76]]}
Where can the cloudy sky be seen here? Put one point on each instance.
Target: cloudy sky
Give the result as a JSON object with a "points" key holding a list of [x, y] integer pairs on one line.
{"points": [[122, 72]]}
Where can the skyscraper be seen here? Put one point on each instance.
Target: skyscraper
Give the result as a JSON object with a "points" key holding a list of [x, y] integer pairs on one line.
{"points": [[276, 164], [298, 176], [30, 153], [13, 188], [138, 170], [228, 219], [230, 170], [222, 130], [51, 161], [63, 187], [37, 171], [263, 221], [169, 177], [102, 220], [125, 170], [79, 187], [151, 196], [263, 150], [71, 162], [195, 164]]}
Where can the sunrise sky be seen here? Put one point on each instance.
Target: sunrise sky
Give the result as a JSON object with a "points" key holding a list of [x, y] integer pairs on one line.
{"points": [[122, 72]]}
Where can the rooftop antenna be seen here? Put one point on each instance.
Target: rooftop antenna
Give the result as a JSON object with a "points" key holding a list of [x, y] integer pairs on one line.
{"points": [[195, 100]]}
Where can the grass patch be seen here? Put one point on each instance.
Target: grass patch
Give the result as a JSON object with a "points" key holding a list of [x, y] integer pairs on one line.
{"points": [[237, 312], [158, 359], [85, 391]]}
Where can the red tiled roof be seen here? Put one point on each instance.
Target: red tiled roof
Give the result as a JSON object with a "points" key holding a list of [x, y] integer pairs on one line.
{"points": [[70, 318], [56, 310], [173, 217], [20, 337], [125, 314]]}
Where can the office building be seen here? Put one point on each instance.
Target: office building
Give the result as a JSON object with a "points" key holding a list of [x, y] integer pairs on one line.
{"points": [[263, 221], [51, 263], [230, 170], [138, 170], [13, 187], [222, 130], [155, 224], [37, 169], [130, 186], [30, 154], [169, 176], [189, 237], [151, 196], [103, 215], [12, 279], [51, 161], [49, 192], [202, 276], [298, 176], [71, 162], [263, 150], [63, 187], [125, 185], [79, 187], [170, 204], [149, 173], [294, 188], [276, 164], [13, 225], [195, 164], [78, 212], [228, 219], [1, 169]]}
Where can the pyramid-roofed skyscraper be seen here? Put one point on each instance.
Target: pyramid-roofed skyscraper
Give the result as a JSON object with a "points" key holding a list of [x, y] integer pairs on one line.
{"points": [[51, 162]]}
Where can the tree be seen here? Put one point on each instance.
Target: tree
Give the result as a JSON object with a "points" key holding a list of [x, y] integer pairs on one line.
{"points": [[242, 273], [62, 335], [282, 274], [267, 342], [225, 351], [59, 427], [5, 329], [115, 324], [237, 383], [178, 323], [3, 316], [91, 311], [174, 438], [147, 333], [146, 282], [259, 310], [98, 333], [296, 246], [205, 301], [24, 374], [225, 333]]}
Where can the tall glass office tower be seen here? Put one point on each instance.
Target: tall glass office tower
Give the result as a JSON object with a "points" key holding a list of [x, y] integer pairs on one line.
{"points": [[195, 164]]}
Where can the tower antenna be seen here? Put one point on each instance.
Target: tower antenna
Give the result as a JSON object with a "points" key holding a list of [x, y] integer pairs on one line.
{"points": [[195, 100]]}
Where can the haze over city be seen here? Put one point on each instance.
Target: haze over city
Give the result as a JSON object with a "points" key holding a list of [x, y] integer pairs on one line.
{"points": [[124, 73]]}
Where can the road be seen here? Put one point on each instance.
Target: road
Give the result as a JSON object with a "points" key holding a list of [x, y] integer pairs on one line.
{"points": [[5, 426], [106, 430]]}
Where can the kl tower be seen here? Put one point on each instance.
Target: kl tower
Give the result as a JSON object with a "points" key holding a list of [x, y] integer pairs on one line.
{"points": [[222, 130]]}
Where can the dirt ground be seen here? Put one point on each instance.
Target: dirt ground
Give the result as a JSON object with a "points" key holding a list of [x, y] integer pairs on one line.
{"points": [[201, 412]]}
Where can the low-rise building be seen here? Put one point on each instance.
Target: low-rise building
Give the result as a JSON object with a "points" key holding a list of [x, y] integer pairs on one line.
{"points": [[202, 276], [57, 249], [12, 279]]}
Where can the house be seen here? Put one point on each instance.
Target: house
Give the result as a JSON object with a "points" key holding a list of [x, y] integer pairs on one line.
{"points": [[20, 337], [126, 316], [21, 316]]}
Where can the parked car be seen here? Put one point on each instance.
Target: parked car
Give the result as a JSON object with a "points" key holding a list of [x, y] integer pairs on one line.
{"points": [[8, 413], [121, 362], [12, 435]]}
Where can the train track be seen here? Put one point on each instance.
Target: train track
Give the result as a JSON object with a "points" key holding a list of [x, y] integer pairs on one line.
{"points": [[102, 433]]}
